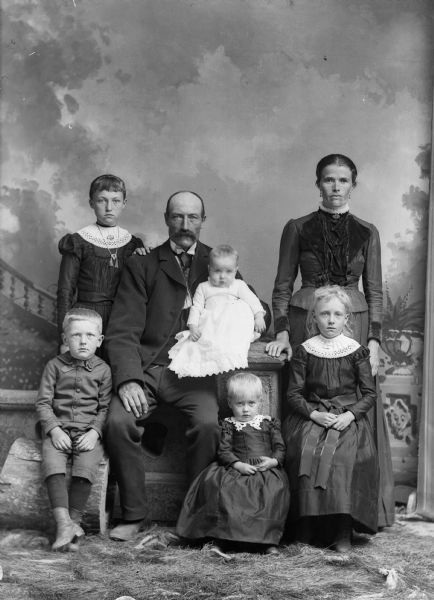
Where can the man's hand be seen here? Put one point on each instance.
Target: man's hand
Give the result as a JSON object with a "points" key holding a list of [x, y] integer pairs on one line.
{"points": [[87, 441], [260, 326], [343, 420], [194, 332], [244, 468], [279, 345], [133, 398], [267, 463], [374, 358], [60, 439], [324, 419]]}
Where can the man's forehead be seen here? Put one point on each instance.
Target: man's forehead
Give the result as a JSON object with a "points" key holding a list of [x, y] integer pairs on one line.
{"points": [[185, 202]]}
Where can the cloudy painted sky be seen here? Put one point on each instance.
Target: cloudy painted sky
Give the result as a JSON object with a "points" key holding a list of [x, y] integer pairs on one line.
{"points": [[234, 99]]}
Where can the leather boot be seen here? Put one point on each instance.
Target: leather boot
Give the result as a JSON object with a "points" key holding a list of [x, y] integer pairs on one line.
{"points": [[65, 528], [76, 517], [343, 534], [304, 530]]}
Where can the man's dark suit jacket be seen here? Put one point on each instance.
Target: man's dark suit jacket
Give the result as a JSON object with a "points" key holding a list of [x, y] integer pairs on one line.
{"points": [[147, 307]]}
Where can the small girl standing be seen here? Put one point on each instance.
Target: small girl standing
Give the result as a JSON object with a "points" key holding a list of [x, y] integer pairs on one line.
{"points": [[92, 258], [331, 457], [244, 497], [222, 321]]}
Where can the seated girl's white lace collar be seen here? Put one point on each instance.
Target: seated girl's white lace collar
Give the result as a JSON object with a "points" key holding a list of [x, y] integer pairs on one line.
{"points": [[255, 422], [105, 237], [336, 347]]}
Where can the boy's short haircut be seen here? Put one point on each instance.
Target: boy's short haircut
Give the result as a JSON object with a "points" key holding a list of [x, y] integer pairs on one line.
{"points": [[81, 314], [244, 384], [108, 183], [223, 250]]}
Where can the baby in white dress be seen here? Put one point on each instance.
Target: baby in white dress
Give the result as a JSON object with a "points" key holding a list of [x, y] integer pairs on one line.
{"points": [[224, 319]]}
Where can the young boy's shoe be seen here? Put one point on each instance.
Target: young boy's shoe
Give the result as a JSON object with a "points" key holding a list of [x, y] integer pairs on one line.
{"points": [[126, 531], [66, 529], [76, 517]]}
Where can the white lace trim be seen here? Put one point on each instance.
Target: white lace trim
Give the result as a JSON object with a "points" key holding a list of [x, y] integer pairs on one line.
{"points": [[255, 422], [336, 347], [105, 237], [335, 211]]}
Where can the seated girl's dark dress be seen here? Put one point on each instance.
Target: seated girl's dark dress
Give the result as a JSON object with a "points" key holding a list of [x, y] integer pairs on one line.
{"points": [[224, 504], [332, 472]]}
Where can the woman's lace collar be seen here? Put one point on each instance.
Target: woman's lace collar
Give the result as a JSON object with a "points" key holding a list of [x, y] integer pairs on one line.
{"points": [[335, 211], [105, 237], [255, 422], [336, 347]]}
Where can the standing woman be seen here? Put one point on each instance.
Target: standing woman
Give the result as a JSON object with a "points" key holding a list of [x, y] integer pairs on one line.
{"points": [[331, 246]]}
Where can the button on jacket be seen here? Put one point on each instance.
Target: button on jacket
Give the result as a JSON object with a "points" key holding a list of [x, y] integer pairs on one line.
{"points": [[74, 394]]}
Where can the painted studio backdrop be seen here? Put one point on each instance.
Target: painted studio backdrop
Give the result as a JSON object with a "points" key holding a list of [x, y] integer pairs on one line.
{"points": [[235, 100]]}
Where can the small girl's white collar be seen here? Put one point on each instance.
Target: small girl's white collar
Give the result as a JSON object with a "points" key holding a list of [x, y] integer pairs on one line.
{"points": [[255, 422], [336, 347]]}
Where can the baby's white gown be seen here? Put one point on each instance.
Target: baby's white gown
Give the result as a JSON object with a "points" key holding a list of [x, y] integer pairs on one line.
{"points": [[225, 316]]}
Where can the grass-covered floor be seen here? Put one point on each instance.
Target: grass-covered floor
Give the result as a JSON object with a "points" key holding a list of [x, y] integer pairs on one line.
{"points": [[105, 570]]}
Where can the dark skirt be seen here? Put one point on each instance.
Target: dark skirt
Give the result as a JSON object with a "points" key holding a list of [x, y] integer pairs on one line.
{"points": [[223, 504], [376, 416], [352, 484]]}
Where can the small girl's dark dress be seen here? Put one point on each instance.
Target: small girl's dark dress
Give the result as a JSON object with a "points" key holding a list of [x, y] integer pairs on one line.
{"points": [[89, 274], [226, 505], [332, 472]]}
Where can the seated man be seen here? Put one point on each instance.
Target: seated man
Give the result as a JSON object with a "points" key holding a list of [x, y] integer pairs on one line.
{"points": [[150, 308]]}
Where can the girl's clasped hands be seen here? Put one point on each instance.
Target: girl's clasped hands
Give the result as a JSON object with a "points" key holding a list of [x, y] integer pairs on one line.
{"points": [[327, 420]]}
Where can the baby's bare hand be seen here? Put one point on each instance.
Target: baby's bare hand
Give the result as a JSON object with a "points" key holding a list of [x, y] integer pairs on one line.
{"points": [[260, 325], [194, 333]]}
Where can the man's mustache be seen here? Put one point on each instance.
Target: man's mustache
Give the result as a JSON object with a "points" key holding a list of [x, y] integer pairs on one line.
{"points": [[183, 234]]}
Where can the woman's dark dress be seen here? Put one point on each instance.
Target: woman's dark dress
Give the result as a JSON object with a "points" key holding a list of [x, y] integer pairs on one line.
{"points": [[352, 484], [86, 278], [224, 504], [342, 251]]}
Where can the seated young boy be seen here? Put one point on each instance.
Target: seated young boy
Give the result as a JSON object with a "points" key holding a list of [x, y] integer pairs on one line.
{"points": [[72, 406]]}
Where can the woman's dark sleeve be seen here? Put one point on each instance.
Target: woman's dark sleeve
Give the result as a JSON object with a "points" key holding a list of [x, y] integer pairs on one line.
{"points": [[225, 455], [373, 284], [68, 277], [277, 443], [297, 383], [366, 383], [289, 258]]}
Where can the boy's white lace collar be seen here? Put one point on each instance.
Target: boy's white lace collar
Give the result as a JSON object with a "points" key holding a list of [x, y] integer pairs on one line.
{"points": [[255, 422], [336, 347], [105, 237]]}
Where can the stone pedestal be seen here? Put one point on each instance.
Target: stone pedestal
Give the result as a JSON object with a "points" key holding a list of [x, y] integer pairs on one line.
{"points": [[165, 480]]}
